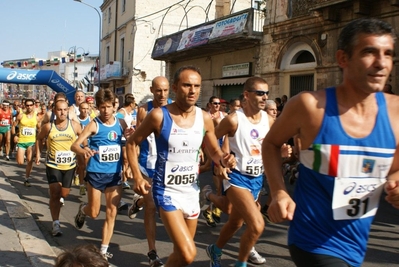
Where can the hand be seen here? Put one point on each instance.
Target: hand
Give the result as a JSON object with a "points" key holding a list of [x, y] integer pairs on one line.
{"points": [[392, 190], [37, 161], [141, 186], [286, 151], [221, 172], [281, 208], [128, 132], [89, 152], [229, 161]]}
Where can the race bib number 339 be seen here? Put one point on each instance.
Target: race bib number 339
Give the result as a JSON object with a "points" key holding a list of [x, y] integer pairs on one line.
{"points": [[356, 198], [181, 173]]}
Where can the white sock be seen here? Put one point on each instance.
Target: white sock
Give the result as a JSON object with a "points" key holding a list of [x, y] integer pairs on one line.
{"points": [[103, 248]]}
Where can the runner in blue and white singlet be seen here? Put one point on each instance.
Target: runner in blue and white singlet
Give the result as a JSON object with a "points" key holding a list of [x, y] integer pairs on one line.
{"points": [[176, 171], [346, 175], [246, 145]]}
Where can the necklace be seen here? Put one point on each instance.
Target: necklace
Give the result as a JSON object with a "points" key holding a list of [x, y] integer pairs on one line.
{"points": [[182, 111], [63, 127]]}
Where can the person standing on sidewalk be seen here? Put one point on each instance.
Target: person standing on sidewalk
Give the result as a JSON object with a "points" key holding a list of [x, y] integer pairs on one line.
{"points": [[60, 160], [103, 173], [348, 138], [147, 159], [179, 129], [27, 124]]}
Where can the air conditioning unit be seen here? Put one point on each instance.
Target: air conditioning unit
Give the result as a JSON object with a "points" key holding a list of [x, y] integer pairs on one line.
{"points": [[125, 71]]}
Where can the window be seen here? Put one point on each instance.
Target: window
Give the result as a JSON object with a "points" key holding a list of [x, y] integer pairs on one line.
{"points": [[303, 57], [109, 15], [122, 51], [123, 5], [299, 83], [107, 55]]}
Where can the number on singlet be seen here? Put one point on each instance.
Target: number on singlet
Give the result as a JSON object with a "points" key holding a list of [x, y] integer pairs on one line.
{"points": [[64, 160], [181, 179], [356, 206], [110, 157], [254, 170]]}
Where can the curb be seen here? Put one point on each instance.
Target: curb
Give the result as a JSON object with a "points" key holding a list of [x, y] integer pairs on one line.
{"points": [[31, 240]]}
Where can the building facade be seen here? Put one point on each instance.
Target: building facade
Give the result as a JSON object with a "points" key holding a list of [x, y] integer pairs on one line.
{"points": [[294, 52], [129, 32]]}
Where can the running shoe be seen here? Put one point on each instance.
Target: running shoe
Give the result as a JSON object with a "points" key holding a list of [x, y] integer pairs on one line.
{"points": [[154, 260], [134, 208], [76, 179], [27, 183], [216, 213], [255, 258], [82, 190], [7, 158], [208, 217], [107, 255], [62, 201], [80, 217], [216, 259], [125, 185], [56, 229], [265, 215]]}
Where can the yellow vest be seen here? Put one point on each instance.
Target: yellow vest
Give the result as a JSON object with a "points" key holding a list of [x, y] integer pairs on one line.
{"points": [[27, 128], [59, 154]]}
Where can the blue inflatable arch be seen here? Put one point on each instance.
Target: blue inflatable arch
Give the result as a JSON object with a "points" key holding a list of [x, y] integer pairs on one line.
{"points": [[39, 77]]}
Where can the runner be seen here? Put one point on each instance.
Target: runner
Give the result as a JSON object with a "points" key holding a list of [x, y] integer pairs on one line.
{"points": [[5, 127], [104, 167], [179, 130], [84, 119], [60, 160]]}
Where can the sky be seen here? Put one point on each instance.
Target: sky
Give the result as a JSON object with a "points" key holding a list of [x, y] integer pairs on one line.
{"points": [[32, 28]]}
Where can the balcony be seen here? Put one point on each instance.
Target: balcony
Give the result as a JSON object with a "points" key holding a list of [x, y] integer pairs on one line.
{"points": [[238, 31]]}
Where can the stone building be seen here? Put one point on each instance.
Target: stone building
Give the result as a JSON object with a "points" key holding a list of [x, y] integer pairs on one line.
{"points": [[294, 51], [130, 29]]}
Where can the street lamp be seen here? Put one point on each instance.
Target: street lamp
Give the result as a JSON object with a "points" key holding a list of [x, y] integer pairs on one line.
{"points": [[99, 40], [72, 51]]}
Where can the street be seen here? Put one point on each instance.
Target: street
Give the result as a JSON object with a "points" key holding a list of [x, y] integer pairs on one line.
{"points": [[129, 244]]}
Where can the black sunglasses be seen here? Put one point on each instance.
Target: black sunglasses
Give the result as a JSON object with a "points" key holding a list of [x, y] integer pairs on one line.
{"points": [[216, 103], [259, 93]]}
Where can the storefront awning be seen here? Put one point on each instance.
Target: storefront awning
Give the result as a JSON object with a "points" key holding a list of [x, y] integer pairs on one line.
{"points": [[234, 81]]}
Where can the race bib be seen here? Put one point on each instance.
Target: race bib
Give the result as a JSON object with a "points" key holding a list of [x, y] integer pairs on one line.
{"points": [[109, 153], [5, 122], [252, 166], [181, 173], [355, 198], [28, 131], [64, 157]]}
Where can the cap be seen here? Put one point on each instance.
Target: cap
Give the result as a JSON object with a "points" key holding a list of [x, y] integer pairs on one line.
{"points": [[223, 101], [89, 98]]}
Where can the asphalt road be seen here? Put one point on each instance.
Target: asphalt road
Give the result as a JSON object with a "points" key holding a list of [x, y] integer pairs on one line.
{"points": [[129, 244]]}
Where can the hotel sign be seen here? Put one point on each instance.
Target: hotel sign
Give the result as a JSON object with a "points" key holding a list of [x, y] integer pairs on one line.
{"points": [[243, 69]]}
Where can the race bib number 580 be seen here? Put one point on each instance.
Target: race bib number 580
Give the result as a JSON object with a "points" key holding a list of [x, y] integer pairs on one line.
{"points": [[109, 153]]}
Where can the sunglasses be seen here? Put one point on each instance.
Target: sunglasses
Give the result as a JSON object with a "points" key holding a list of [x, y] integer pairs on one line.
{"points": [[259, 93], [216, 103], [28, 105]]}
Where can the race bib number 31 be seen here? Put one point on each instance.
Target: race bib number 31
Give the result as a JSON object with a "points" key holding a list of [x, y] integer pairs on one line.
{"points": [[109, 153], [356, 198], [181, 173]]}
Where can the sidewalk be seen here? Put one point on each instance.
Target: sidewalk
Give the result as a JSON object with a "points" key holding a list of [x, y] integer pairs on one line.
{"points": [[23, 244]]}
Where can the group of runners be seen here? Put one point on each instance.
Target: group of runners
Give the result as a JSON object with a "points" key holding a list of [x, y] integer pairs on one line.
{"points": [[344, 139]]}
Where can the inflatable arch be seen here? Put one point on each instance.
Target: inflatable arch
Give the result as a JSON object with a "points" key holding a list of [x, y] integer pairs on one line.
{"points": [[39, 77]]}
